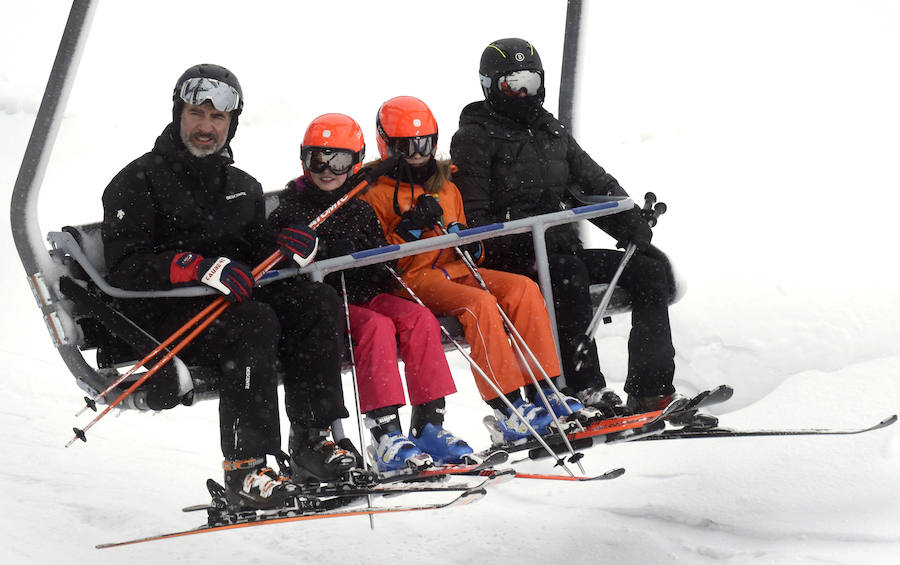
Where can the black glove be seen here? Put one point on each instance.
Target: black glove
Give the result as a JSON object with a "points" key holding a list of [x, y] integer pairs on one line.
{"points": [[337, 247], [474, 249], [232, 279], [638, 232], [426, 213], [299, 242]]}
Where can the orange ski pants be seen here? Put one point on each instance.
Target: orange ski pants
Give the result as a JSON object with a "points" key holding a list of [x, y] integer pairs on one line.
{"points": [[476, 310]]}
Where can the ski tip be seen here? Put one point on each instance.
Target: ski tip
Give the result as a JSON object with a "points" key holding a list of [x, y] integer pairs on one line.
{"points": [[468, 497], [476, 493], [611, 474], [500, 456], [887, 421]]}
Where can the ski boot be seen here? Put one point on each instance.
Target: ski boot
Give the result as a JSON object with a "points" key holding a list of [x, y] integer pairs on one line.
{"points": [[689, 418], [642, 404], [605, 400], [315, 458], [249, 483], [394, 452], [441, 445], [511, 427], [347, 445], [576, 412]]}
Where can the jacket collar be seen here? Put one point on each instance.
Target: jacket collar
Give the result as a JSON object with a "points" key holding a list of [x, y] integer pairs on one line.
{"points": [[480, 113]]}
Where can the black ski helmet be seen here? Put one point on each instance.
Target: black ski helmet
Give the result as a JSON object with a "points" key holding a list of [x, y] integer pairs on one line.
{"points": [[504, 56], [216, 72]]}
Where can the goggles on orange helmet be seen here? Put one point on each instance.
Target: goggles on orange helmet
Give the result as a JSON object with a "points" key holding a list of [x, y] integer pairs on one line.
{"points": [[223, 96], [407, 147], [338, 161], [519, 84]]}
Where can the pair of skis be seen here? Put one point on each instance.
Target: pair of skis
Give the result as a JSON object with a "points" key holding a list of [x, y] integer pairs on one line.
{"points": [[329, 501], [651, 426], [286, 515], [619, 429]]}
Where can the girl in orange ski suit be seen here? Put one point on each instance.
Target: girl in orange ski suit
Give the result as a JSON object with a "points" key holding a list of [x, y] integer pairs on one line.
{"points": [[444, 284]]}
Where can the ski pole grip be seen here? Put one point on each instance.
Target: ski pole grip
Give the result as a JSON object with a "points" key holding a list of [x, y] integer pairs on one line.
{"points": [[653, 215]]}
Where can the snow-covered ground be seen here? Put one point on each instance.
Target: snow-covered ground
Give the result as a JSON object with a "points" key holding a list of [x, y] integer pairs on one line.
{"points": [[770, 128]]}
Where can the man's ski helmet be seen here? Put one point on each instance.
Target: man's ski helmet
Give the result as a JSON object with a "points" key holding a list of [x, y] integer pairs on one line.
{"points": [[406, 125], [501, 59], [208, 82], [334, 141]]}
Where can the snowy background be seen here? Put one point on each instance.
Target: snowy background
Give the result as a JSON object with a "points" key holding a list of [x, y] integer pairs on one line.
{"points": [[771, 128]]}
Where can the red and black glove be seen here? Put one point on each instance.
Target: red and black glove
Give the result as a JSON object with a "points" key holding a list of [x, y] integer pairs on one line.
{"points": [[232, 278], [299, 242]]}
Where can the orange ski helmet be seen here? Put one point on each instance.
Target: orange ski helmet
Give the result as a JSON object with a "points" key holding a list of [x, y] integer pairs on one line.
{"points": [[404, 122], [335, 141]]}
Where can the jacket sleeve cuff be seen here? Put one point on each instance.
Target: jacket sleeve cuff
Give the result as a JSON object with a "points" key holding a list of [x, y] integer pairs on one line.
{"points": [[184, 267]]}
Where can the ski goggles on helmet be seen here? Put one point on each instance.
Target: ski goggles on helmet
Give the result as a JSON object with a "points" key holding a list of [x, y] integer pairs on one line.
{"points": [[519, 84], [407, 147], [223, 96], [338, 161]]}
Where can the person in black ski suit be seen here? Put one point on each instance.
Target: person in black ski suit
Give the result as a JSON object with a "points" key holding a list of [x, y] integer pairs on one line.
{"points": [[183, 214], [516, 160]]}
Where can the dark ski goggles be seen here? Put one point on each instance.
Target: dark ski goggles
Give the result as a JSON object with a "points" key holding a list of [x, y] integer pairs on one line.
{"points": [[338, 161], [407, 147], [519, 84], [223, 96]]}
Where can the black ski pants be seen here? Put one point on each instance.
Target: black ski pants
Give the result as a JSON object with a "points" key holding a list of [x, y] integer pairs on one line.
{"points": [[294, 324], [647, 278]]}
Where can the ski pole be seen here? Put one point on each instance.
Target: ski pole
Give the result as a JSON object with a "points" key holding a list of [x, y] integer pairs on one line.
{"points": [[80, 433], [651, 211], [359, 417], [519, 344], [478, 370], [92, 402], [214, 310]]}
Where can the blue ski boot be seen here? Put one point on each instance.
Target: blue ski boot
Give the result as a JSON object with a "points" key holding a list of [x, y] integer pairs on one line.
{"points": [[443, 446], [394, 452], [514, 429], [579, 411]]}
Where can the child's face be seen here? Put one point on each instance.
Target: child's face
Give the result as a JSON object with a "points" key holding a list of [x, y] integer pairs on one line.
{"points": [[328, 181], [417, 160]]}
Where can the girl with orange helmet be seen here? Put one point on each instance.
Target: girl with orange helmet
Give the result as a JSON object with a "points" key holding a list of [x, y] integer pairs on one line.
{"points": [[410, 201], [332, 149]]}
